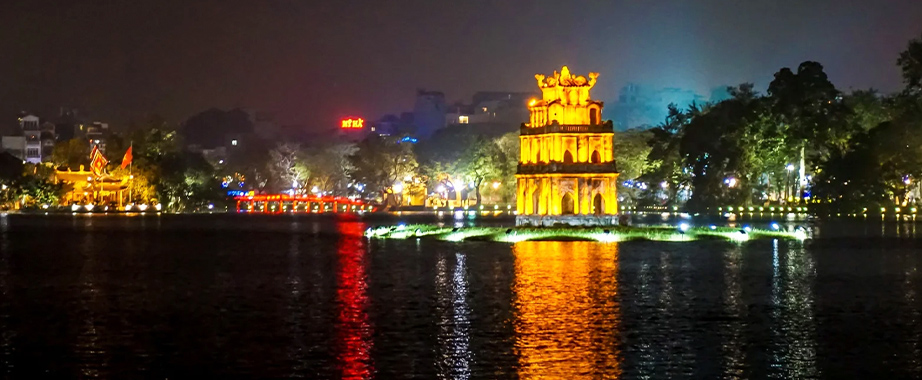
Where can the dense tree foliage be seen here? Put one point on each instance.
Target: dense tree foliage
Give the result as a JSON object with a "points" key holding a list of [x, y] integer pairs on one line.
{"points": [[379, 163]]}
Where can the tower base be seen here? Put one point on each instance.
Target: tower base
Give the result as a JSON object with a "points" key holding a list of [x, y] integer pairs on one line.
{"points": [[566, 220]]}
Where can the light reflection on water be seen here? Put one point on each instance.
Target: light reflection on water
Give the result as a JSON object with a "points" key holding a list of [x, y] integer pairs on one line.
{"points": [[352, 326], [793, 321], [302, 297], [567, 313]]}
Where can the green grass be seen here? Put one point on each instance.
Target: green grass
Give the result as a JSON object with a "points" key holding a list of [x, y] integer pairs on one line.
{"points": [[599, 234]]}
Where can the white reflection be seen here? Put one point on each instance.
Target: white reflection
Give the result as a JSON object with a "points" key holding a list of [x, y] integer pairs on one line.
{"points": [[734, 309], [454, 319], [89, 345], [793, 318], [910, 286], [295, 316]]}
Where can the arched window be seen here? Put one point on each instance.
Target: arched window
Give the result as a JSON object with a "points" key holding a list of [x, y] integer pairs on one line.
{"points": [[596, 158], [593, 116], [567, 157], [567, 205], [597, 207]]}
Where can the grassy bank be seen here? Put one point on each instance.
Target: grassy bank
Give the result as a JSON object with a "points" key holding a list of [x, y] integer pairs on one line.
{"points": [[599, 234]]}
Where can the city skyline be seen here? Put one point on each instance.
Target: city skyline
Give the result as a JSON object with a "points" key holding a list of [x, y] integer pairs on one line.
{"points": [[312, 65]]}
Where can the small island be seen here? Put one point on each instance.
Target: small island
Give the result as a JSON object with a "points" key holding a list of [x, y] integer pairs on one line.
{"points": [[683, 232]]}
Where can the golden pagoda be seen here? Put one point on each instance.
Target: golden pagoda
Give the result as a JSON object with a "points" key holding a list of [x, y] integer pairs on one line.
{"points": [[566, 172]]}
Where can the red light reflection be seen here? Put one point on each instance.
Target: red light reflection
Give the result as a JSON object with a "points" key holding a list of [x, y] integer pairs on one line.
{"points": [[353, 331]]}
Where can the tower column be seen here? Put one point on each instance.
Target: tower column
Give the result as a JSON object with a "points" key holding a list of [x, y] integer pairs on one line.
{"points": [[542, 200], [520, 196], [611, 206], [555, 196], [585, 198], [577, 187]]}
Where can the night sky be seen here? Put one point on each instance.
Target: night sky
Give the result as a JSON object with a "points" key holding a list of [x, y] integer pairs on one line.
{"points": [[311, 62]]}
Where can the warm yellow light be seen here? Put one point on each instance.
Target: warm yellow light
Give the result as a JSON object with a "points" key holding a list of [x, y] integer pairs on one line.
{"points": [[532, 102]]}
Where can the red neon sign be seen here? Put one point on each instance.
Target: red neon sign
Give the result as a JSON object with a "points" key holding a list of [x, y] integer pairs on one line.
{"points": [[356, 123]]}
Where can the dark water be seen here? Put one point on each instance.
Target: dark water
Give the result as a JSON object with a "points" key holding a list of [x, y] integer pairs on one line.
{"points": [[280, 296]]}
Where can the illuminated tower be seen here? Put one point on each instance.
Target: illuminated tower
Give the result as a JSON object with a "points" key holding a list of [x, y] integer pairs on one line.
{"points": [[566, 170]]}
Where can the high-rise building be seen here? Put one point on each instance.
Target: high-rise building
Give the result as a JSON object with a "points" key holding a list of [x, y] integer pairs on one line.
{"points": [[429, 112], [566, 171]]}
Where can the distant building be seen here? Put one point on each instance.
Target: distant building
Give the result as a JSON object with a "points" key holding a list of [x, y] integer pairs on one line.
{"points": [[47, 138], [31, 130], [429, 112], [392, 125], [492, 112], [15, 145], [97, 133], [66, 125]]}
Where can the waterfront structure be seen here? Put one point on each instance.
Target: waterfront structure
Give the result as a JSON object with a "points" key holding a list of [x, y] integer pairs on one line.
{"points": [[566, 172], [279, 203], [87, 188]]}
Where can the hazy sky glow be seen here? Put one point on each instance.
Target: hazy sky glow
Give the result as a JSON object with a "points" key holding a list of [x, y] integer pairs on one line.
{"points": [[312, 62]]}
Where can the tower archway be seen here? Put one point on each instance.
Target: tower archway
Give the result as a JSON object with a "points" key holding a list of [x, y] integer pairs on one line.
{"points": [[567, 157], [597, 204], [568, 204], [596, 158]]}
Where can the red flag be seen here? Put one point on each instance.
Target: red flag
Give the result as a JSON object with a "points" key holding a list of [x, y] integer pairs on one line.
{"points": [[98, 163], [127, 159]]}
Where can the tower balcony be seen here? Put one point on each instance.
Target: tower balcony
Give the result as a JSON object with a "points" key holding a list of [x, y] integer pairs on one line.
{"points": [[606, 127], [567, 168]]}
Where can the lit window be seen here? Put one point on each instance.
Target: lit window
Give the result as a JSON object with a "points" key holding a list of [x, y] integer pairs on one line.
{"points": [[234, 142], [463, 120], [484, 109]]}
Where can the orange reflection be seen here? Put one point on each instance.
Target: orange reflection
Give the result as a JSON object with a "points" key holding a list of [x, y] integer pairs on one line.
{"points": [[567, 310], [353, 330]]}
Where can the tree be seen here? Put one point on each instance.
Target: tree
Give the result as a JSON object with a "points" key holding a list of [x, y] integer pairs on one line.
{"points": [[35, 191], [811, 108], [483, 159], [187, 181], [877, 171], [286, 164], [35, 187], [631, 149], [71, 153], [379, 162], [508, 144], [141, 190], [329, 167], [867, 109], [910, 63], [715, 145]]}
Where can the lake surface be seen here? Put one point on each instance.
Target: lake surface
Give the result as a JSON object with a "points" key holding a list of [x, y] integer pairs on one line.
{"points": [[218, 296]]}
